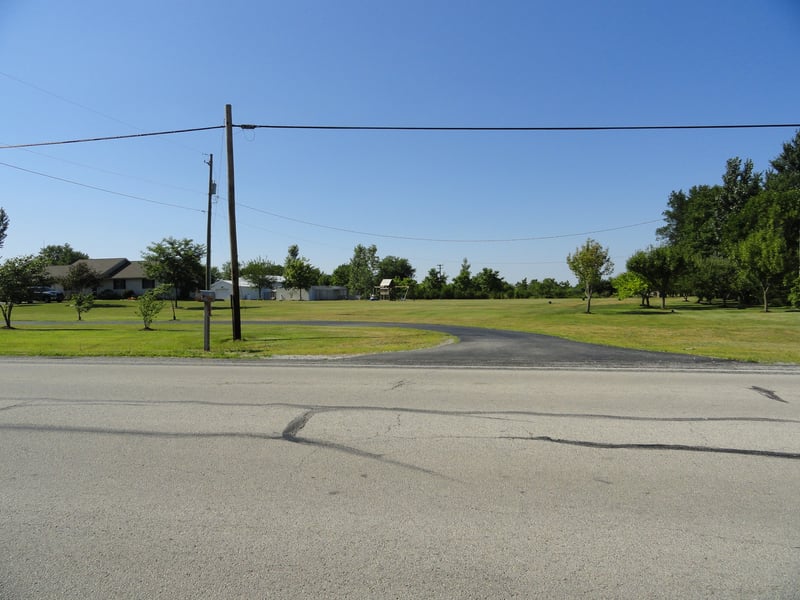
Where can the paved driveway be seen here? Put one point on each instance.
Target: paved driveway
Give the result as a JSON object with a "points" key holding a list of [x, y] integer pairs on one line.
{"points": [[496, 348]]}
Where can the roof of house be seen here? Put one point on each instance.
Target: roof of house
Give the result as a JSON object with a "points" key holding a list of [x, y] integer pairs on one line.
{"points": [[58, 272], [106, 267], [133, 270]]}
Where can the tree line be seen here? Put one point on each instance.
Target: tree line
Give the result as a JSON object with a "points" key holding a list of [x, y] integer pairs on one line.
{"points": [[738, 240]]}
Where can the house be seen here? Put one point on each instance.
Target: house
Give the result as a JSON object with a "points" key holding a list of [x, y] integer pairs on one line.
{"points": [[119, 276]]}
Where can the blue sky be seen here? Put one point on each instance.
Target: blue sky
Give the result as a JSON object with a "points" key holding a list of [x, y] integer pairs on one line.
{"points": [[517, 202]]}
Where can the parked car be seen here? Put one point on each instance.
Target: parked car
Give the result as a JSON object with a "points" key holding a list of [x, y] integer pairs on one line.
{"points": [[42, 293]]}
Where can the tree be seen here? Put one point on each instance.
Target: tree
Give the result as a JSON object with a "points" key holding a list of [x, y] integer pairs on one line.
{"points": [[80, 277], [3, 225], [363, 270], [489, 282], [216, 273], [225, 270], [394, 267], [713, 277], [691, 221], [463, 286], [149, 304], [82, 303], [630, 284], [17, 276], [341, 275], [786, 174], [794, 293], [260, 272], [61, 255], [299, 273], [762, 257], [177, 263], [659, 267], [590, 263], [739, 183], [434, 284]]}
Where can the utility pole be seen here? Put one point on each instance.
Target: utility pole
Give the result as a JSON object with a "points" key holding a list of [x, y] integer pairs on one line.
{"points": [[211, 191], [236, 315]]}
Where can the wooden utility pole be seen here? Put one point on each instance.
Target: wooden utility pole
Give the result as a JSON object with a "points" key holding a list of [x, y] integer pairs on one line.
{"points": [[236, 315], [210, 163]]}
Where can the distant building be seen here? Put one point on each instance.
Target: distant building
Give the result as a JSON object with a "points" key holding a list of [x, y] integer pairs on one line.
{"points": [[327, 292], [223, 288]]}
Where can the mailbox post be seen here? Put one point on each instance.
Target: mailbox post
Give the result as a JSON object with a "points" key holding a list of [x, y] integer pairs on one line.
{"points": [[207, 297]]}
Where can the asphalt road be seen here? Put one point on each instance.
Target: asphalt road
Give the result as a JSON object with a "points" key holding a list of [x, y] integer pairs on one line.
{"points": [[345, 478]]}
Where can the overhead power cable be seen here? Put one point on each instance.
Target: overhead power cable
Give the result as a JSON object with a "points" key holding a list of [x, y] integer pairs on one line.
{"points": [[99, 189], [536, 128], [414, 128], [112, 137], [450, 241]]}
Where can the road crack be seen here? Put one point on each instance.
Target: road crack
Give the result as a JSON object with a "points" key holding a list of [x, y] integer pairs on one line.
{"points": [[295, 425], [673, 447], [768, 394]]}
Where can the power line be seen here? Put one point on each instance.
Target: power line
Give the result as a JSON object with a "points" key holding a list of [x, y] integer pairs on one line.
{"points": [[112, 137], [415, 128], [536, 128], [449, 241], [99, 189]]}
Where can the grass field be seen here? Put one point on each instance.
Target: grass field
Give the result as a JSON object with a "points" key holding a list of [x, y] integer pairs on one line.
{"points": [[112, 328]]}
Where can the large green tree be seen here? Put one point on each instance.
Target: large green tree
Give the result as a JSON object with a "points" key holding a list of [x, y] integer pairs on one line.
{"points": [[691, 225], [630, 284], [63, 254], [394, 267], [177, 263], [262, 273], [590, 263], [713, 277], [299, 273], [659, 267], [434, 285], [17, 276], [762, 256], [363, 270], [489, 282], [341, 275], [463, 285]]}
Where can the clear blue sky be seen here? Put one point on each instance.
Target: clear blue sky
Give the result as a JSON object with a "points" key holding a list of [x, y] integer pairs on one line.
{"points": [[96, 68]]}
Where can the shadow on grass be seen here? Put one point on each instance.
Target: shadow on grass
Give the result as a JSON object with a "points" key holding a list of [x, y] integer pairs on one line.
{"points": [[675, 308], [102, 305], [214, 308], [76, 329]]}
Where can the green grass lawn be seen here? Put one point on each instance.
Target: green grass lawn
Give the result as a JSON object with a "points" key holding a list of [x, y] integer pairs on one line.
{"points": [[113, 329]]}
